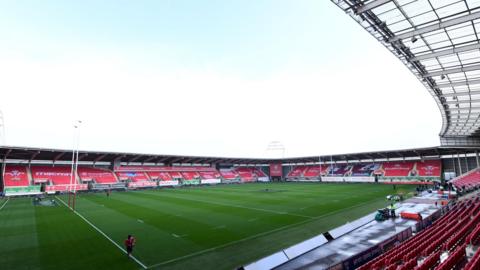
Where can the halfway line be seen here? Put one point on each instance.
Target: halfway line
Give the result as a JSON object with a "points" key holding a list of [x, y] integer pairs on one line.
{"points": [[240, 206], [102, 233]]}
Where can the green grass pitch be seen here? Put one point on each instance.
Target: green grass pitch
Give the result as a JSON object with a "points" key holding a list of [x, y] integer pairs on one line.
{"points": [[217, 227]]}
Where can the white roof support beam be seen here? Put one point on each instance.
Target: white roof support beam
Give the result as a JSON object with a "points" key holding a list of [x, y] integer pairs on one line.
{"points": [[466, 48], [463, 101], [436, 26], [370, 5], [452, 70], [461, 94], [460, 83], [470, 110]]}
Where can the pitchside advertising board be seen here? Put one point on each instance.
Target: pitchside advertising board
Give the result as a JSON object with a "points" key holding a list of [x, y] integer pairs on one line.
{"points": [[275, 170]]}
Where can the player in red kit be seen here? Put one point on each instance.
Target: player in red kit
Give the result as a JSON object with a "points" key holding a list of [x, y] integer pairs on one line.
{"points": [[129, 244]]}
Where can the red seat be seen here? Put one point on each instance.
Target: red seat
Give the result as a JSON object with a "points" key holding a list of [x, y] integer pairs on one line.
{"points": [[398, 168], [297, 171], [429, 168], [246, 174], [132, 176], [209, 175], [468, 180], [228, 174], [190, 175], [15, 176], [61, 175], [176, 175], [102, 176]]}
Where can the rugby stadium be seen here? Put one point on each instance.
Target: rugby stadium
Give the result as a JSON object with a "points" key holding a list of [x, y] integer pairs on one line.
{"points": [[415, 208]]}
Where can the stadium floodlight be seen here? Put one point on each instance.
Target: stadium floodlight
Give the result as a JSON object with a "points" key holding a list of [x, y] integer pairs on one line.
{"points": [[442, 77], [414, 39]]}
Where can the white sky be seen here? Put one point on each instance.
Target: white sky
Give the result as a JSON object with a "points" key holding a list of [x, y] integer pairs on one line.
{"points": [[314, 80]]}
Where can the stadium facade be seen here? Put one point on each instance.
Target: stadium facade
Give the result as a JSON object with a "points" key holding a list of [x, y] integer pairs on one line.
{"points": [[34, 170]]}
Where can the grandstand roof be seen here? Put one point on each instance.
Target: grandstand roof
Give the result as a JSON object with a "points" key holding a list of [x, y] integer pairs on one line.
{"points": [[439, 42], [39, 154], [57, 155], [414, 153]]}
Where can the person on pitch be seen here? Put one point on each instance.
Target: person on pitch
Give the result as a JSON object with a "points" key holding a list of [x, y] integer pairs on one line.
{"points": [[129, 244]]}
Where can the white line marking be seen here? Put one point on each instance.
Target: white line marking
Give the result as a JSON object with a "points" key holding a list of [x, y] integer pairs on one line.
{"points": [[219, 227], [179, 236], [102, 233], [3, 205], [244, 207], [141, 221], [259, 235]]}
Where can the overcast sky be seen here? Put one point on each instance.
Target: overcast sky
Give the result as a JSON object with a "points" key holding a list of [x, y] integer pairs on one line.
{"points": [[221, 78]]}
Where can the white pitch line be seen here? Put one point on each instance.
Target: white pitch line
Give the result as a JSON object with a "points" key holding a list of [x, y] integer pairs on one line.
{"points": [[219, 227], [244, 207], [102, 233], [257, 235], [3, 205]]}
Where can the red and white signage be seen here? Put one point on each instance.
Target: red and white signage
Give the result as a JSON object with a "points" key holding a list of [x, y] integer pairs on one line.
{"points": [[276, 169]]}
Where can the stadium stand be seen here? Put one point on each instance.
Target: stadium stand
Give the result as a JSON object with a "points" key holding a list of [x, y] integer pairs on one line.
{"points": [[260, 173], [162, 176], [190, 175], [467, 181], [136, 179], [16, 176], [102, 176], [228, 174], [474, 262], [58, 179], [171, 175], [209, 175], [60, 175], [297, 172], [247, 174], [176, 175], [132, 176], [339, 170], [398, 168], [312, 172], [364, 169], [429, 168], [447, 236]]}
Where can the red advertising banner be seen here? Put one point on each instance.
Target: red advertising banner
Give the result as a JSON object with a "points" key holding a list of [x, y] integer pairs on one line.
{"points": [[275, 169]]}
